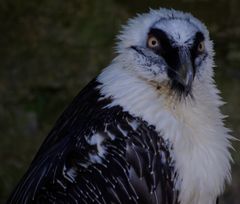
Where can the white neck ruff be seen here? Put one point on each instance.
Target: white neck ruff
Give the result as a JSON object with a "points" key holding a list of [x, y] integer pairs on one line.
{"points": [[194, 127]]}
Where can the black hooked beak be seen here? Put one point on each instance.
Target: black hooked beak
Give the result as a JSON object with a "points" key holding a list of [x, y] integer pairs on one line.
{"points": [[184, 72]]}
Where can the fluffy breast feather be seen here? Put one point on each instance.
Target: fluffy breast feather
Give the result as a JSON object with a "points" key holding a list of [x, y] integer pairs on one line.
{"points": [[194, 126]]}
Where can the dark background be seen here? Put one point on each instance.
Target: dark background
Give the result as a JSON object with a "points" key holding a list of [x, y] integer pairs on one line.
{"points": [[50, 49]]}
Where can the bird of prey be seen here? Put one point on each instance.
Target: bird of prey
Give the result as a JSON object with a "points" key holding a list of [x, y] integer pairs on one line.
{"points": [[146, 130]]}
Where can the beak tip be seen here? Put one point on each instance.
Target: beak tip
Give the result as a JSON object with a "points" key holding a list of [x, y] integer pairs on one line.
{"points": [[187, 90]]}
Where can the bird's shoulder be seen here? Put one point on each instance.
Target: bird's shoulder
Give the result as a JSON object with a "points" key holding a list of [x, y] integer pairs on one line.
{"points": [[97, 152]]}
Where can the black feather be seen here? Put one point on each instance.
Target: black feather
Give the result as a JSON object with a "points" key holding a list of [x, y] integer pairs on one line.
{"points": [[136, 166]]}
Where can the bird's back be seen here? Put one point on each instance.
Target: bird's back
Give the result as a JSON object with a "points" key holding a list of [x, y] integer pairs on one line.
{"points": [[97, 154]]}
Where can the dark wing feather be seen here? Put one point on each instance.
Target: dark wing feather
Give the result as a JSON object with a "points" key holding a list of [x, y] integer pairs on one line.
{"points": [[99, 155]]}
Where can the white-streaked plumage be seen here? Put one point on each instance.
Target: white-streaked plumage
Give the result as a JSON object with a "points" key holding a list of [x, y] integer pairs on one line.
{"points": [[195, 127], [147, 130]]}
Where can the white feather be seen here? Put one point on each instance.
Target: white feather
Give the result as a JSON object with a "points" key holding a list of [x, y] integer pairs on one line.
{"points": [[194, 127], [196, 130]]}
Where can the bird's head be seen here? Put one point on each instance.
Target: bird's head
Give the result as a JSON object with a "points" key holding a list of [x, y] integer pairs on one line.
{"points": [[167, 47]]}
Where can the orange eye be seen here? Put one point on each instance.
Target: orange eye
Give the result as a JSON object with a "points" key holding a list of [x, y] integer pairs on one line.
{"points": [[201, 47], [152, 42]]}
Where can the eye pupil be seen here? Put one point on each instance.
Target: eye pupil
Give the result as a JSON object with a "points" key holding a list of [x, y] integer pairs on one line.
{"points": [[201, 47], [154, 42]]}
